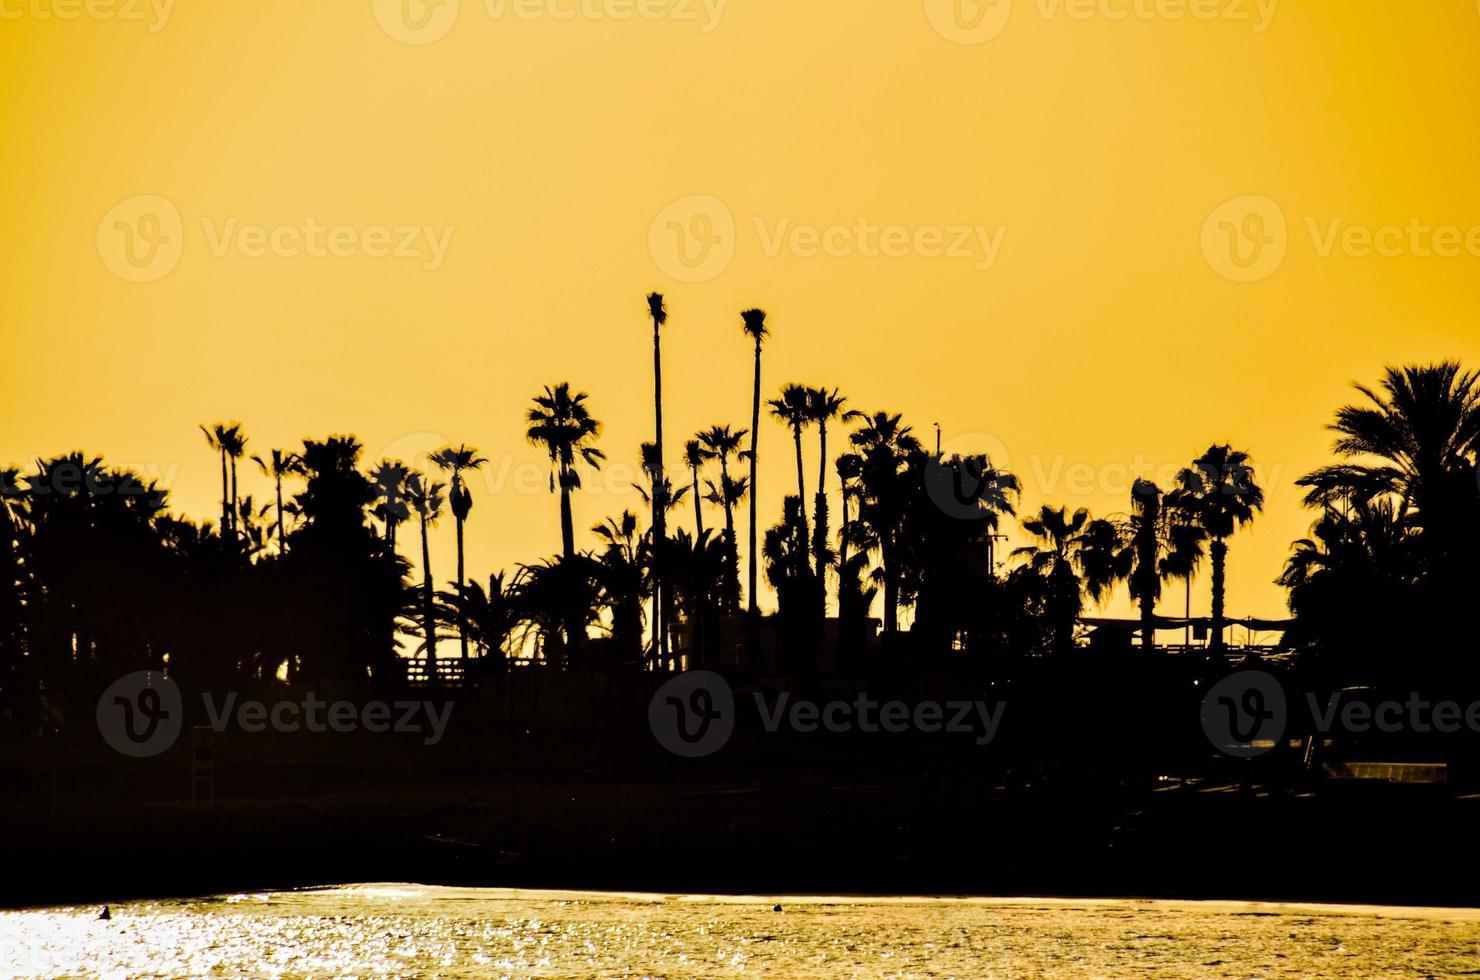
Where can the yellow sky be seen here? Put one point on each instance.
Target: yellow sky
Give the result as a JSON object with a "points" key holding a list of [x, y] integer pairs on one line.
{"points": [[1016, 237]]}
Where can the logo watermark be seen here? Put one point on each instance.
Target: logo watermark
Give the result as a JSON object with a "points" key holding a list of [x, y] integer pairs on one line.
{"points": [[141, 715], [979, 21], [154, 14], [426, 21], [1246, 714], [694, 239], [1246, 239], [694, 713], [142, 239]]}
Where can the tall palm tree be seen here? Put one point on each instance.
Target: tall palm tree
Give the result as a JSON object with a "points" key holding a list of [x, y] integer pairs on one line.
{"points": [[825, 407], [794, 409], [278, 465], [754, 326], [561, 424], [694, 458], [218, 437], [235, 447], [721, 443], [887, 452], [658, 313], [1219, 489], [455, 461], [1075, 555], [1163, 542], [425, 498], [389, 477], [663, 498]]}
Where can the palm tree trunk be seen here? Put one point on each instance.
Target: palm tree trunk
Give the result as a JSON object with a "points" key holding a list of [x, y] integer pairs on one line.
{"points": [[279, 480], [698, 510], [796, 433], [660, 523], [225, 498], [1219, 552], [732, 584], [819, 546], [462, 632], [755, 426], [567, 522], [428, 620], [891, 584], [235, 501]]}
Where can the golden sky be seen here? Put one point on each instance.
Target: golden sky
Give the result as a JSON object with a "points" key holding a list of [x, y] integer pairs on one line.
{"points": [[400, 221]]}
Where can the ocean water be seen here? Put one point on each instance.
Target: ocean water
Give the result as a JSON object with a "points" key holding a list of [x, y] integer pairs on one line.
{"points": [[396, 930]]}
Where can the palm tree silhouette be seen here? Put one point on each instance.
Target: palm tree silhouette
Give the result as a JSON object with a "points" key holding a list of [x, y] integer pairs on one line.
{"points": [[721, 443], [1074, 554], [455, 461], [281, 464], [425, 498], [794, 409], [621, 582], [694, 457], [825, 406], [389, 477], [1163, 542], [1424, 427], [754, 326], [659, 315], [886, 449], [561, 424], [219, 436], [235, 446], [1219, 491]]}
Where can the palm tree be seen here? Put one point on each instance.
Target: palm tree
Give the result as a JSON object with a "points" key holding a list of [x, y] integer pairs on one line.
{"points": [[1163, 542], [1423, 432], [754, 326], [234, 445], [1074, 555], [694, 457], [1220, 492], [620, 579], [282, 464], [389, 477], [887, 453], [825, 406], [794, 409], [662, 498], [561, 424], [426, 498], [658, 313], [455, 461], [720, 443], [218, 437]]}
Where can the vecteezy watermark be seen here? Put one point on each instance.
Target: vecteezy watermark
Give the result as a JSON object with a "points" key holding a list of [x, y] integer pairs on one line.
{"points": [[141, 715], [1246, 714], [1246, 239], [694, 238], [425, 21], [142, 239], [155, 14], [1051, 475], [979, 21], [694, 714]]}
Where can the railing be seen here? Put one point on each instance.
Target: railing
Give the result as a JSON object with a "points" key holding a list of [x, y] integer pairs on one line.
{"points": [[449, 671]]}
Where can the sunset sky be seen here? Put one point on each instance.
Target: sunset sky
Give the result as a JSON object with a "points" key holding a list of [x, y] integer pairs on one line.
{"points": [[1007, 218]]}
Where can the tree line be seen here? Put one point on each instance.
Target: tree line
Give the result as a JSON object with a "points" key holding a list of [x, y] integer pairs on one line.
{"points": [[98, 577]]}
